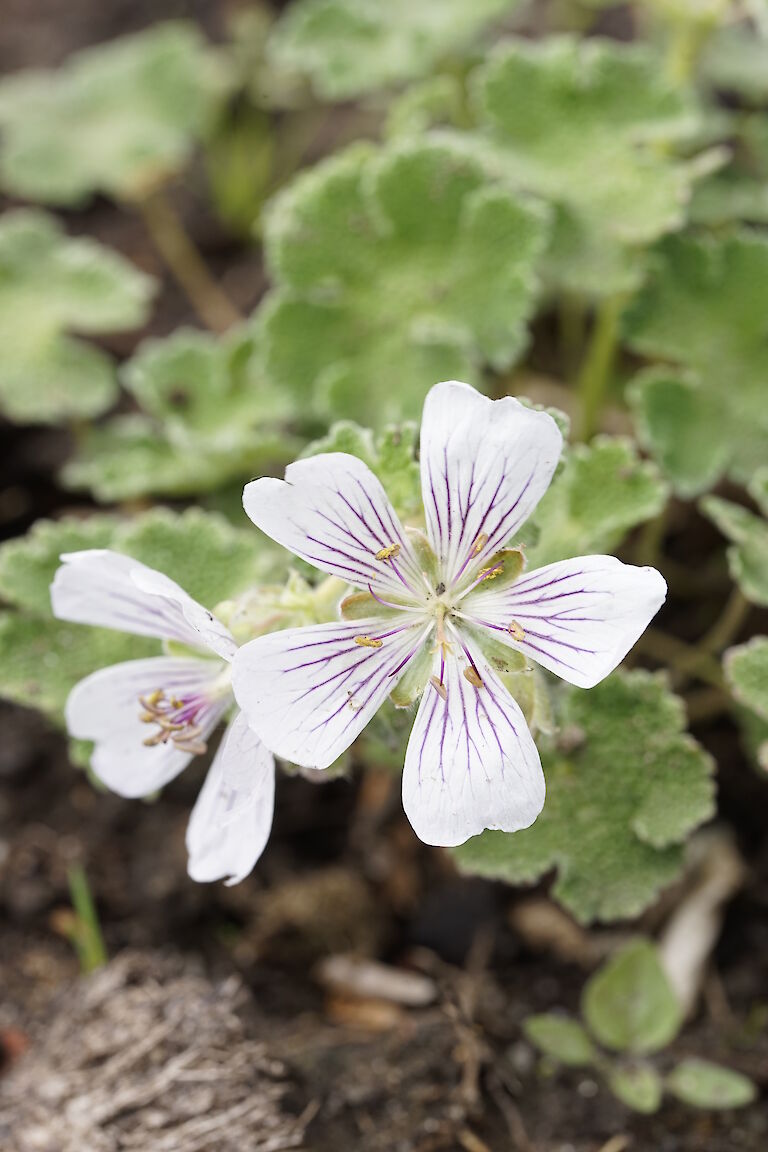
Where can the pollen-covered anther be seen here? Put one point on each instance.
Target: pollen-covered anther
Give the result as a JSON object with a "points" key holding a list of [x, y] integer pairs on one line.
{"points": [[515, 631], [388, 553], [479, 544], [439, 687], [175, 720], [368, 642], [471, 673], [492, 572]]}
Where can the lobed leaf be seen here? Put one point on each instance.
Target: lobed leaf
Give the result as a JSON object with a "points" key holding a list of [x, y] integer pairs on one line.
{"points": [[748, 553], [746, 670], [50, 285], [119, 118], [394, 269], [629, 1004], [619, 804]]}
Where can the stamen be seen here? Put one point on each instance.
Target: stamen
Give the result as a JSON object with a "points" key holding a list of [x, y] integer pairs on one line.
{"points": [[368, 642], [473, 676], [175, 719], [491, 573], [388, 552], [439, 687], [516, 631], [479, 544]]}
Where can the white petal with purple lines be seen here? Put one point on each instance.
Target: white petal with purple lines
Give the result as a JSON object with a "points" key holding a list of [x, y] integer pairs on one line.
{"points": [[231, 821], [333, 512], [110, 590], [578, 618], [309, 692], [484, 467], [471, 762], [106, 709]]}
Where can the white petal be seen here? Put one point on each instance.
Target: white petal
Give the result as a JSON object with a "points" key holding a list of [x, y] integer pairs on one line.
{"points": [[105, 708], [579, 618], [114, 591], [230, 825], [333, 512], [485, 464], [471, 762], [309, 692]]}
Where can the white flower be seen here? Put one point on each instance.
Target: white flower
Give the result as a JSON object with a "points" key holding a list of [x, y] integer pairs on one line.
{"points": [[148, 718], [436, 612]]}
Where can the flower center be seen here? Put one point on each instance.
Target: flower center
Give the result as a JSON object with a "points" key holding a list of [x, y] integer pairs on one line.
{"points": [[175, 718]]}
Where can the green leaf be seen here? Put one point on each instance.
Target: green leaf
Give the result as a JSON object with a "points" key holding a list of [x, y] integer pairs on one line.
{"points": [[746, 670], [391, 455], [28, 563], [396, 269], [639, 1086], [119, 118], [736, 61], [209, 417], [701, 310], [349, 47], [584, 124], [602, 492], [49, 285], [748, 553], [629, 1004], [705, 1085], [619, 803], [560, 1037]]}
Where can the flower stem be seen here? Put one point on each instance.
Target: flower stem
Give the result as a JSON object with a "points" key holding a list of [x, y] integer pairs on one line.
{"points": [[684, 659], [183, 260], [595, 372], [86, 934], [728, 625]]}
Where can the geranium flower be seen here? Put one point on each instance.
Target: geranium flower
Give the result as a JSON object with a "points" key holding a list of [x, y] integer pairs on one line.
{"points": [[149, 718], [437, 615]]}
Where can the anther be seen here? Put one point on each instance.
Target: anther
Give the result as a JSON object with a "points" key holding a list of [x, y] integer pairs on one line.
{"points": [[491, 573], [388, 553], [439, 687], [516, 631], [368, 642], [479, 544], [471, 673]]}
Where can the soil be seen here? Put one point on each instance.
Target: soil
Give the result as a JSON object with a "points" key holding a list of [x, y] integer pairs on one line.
{"points": [[343, 873]]}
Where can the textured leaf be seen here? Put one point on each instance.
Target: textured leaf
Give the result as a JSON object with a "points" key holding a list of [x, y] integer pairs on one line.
{"points": [[580, 123], [748, 553], [602, 492], [629, 1004], [118, 118], [208, 417], [396, 269], [618, 805], [639, 1086], [702, 310], [746, 670], [50, 285], [706, 1085], [350, 47], [560, 1037], [391, 455]]}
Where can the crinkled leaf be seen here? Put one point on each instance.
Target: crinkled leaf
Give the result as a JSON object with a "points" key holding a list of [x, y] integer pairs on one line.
{"points": [[602, 492], [208, 417], [706, 1085], [746, 670], [581, 123], [50, 285], [560, 1037], [748, 553], [390, 454], [395, 269], [437, 101], [349, 47], [619, 805], [118, 118], [702, 309], [28, 563], [629, 1004], [639, 1086]]}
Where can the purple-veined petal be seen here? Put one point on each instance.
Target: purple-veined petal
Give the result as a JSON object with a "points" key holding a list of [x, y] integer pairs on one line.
{"points": [[485, 464], [231, 821], [110, 590], [309, 692], [106, 708], [471, 762], [333, 512], [578, 618]]}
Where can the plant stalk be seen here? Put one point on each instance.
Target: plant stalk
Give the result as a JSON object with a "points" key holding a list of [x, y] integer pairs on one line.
{"points": [[595, 373]]}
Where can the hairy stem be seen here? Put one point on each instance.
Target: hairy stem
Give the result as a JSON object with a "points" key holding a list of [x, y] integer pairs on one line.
{"points": [[595, 373], [185, 263]]}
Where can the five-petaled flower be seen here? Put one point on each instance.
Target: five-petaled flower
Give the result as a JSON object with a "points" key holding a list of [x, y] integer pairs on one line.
{"points": [[148, 718], [436, 613]]}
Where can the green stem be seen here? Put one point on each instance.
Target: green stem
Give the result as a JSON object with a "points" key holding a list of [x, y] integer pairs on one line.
{"points": [[686, 40], [727, 627], [87, 937], [570, 317], [685, 659], [651, 538], [187, 266], [594, 376], [706, 704]]}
